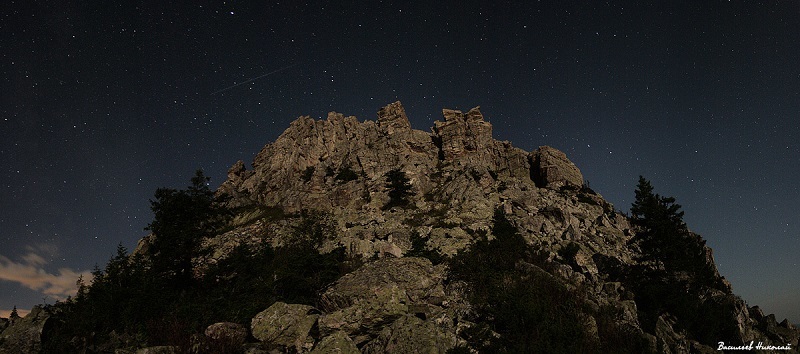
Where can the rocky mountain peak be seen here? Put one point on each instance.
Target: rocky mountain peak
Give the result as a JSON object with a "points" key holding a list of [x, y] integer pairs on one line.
{"points": [[432, 241], [393, 118], [296, 170], [462, 134]]}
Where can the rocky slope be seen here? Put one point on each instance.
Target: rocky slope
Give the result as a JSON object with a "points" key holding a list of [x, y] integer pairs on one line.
{"points": [[459, 176], [460, 180]]}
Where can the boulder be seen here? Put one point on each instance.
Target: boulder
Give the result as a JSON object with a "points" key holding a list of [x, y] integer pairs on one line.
{"points": [[416, 277], [409, 334], [380, 292], [551, 168], [285, 324], [336, 343], [367, 315]]}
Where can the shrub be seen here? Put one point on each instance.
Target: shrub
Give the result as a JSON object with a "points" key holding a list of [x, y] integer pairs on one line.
{"points": [[308, 173], [346, 174], [419, 248], [568, 253]]}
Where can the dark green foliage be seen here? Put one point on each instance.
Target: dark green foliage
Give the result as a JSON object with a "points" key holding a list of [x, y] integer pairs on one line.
{"points": [[475, 175], [516, 298], [245, 275], [307, 174], [502, 186], [258, 276], [182, 218], [399, 189], [346, 174], [419, 248], [271, 213], [673, 273], [661, 224], [313, 229], [14, 314], [663, 237], [301, 273], [116, 300], [568, 253], [134, 302]]}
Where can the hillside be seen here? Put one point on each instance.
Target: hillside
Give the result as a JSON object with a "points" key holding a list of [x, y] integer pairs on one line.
{"points": [[373, 237]]}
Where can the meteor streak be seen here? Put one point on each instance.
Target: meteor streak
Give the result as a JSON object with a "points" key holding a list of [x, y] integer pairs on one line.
{"points": [[255, 78]]}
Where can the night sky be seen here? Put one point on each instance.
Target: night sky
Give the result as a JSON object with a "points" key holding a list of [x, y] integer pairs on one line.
{"points": [[102, 102]]}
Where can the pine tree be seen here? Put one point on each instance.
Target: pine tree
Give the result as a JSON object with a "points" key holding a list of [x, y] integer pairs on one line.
{"points": [[660, 222], [14, 315], [663, 236], [399, 189], [182, 218]]}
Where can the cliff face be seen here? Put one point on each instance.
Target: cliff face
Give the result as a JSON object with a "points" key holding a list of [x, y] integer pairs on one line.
{"points": [[458, 172], [460, 176], [295, 171]]}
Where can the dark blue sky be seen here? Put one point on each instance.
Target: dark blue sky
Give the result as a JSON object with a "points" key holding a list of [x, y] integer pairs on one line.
{"points": [[102, 103]]}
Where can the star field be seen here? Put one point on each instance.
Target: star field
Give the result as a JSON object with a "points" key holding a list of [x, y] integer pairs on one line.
{"points": [[102, 103]]}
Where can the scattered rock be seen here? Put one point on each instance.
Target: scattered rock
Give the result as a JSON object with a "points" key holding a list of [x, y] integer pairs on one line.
{"points": [[285, 324]]}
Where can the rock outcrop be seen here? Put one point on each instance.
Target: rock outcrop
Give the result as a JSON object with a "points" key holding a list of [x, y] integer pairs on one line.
{"points": [[551, 168], [24, 335], [377, 294], [285, 325], [299, 169], [460, 177]]}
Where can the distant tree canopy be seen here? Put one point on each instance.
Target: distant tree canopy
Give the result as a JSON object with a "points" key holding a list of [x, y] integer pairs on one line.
{"points": [[182, 218], [399, 189]]}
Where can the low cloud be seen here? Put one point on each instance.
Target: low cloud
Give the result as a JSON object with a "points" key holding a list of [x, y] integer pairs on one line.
{"points": [[30, 273]]}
